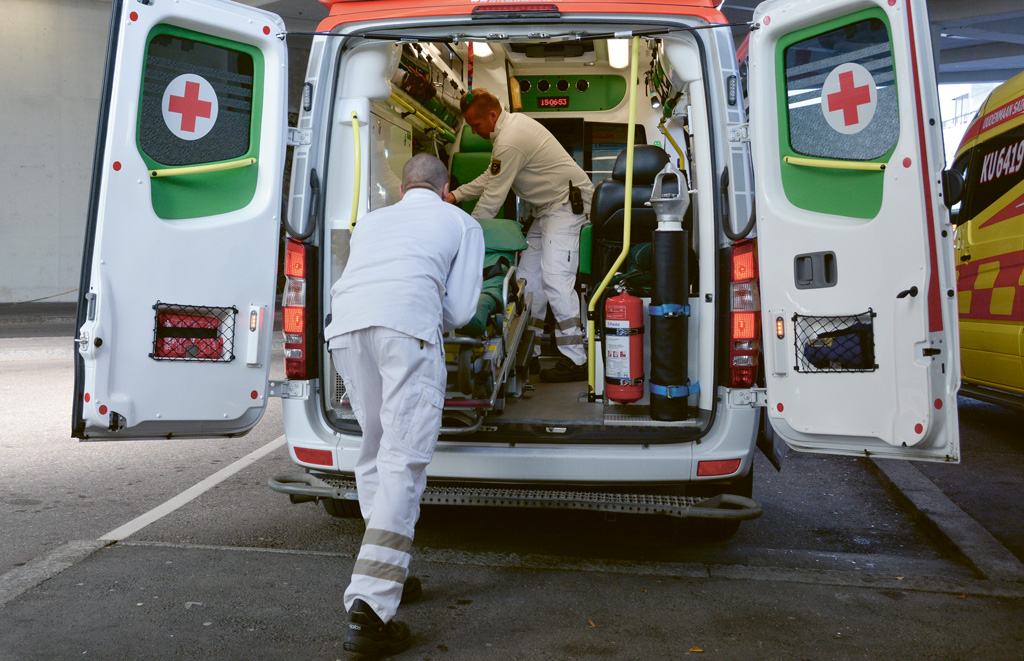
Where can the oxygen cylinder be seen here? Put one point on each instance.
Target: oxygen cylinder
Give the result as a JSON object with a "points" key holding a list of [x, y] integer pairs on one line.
{"points": [[624, 347], [669, 310]]}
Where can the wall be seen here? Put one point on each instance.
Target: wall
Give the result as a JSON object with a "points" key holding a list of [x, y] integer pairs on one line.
{"points": [[52, 53]]}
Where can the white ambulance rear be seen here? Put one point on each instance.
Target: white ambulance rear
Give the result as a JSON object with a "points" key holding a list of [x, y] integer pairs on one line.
{"points": [[821, 318]]}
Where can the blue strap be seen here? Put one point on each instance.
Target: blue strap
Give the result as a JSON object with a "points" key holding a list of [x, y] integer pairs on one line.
{"points": [[673, 392], [669, 310]]}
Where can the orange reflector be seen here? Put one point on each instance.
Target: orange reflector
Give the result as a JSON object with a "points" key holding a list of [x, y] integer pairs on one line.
{"points": [[743, 264], [293, 319], [723, 467], [295, 260], [744, 325], [318, 457]]}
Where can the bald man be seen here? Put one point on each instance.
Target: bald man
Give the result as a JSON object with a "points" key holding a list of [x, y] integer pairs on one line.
{"points": [[414, 270], [527, 159]]}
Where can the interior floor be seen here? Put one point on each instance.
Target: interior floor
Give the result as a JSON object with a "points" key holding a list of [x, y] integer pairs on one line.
{"points": [[550, 402]]}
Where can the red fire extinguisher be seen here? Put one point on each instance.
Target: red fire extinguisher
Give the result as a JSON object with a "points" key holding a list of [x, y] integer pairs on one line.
{"points": [[624, 347]]}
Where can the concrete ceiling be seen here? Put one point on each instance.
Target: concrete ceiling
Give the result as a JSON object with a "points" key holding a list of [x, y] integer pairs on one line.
{"points": [[978, 40]]}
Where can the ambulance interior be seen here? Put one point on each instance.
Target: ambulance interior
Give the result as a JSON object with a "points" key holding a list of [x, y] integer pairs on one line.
{"points": [[578, 89]]}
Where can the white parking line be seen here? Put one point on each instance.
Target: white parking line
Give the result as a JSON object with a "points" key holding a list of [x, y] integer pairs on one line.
{"points": [[192, 493]]}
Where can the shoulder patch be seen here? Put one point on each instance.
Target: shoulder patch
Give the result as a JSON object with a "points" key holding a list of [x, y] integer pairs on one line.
{"points": [[495, 166]]}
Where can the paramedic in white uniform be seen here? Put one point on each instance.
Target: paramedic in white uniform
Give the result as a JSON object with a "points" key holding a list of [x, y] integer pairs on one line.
{"points": [[414, 268], [530, 161]]}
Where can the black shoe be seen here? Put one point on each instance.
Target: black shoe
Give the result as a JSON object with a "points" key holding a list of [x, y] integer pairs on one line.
{"points": [[535, 365], [564, 371], [370, 635], [412, 590]]}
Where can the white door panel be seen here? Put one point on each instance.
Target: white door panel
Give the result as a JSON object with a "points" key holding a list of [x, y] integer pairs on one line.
{"points": [[854, 243], [180, 274]]}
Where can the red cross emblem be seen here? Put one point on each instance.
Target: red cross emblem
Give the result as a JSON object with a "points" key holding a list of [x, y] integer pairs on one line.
{"points": [[849, 98], [190, 106]]}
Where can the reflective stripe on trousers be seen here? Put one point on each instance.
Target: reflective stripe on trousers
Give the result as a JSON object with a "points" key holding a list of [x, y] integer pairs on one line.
{"points": [[549, 266], [396, 384]]}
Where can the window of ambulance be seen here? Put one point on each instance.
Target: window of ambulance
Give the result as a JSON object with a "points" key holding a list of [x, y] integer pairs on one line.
{"points": [[841, 106], [197, 109], [593, 145], [997, 175]]}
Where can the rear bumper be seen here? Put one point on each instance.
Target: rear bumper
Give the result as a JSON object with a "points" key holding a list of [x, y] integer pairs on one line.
{"points": [[306, 487], [732, 436]]}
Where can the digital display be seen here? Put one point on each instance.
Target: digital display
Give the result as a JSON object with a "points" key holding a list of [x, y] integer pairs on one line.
{"points": [[553, 102]]}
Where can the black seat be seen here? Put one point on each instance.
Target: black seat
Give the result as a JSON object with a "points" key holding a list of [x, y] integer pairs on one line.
{"points": [[607, 212]]}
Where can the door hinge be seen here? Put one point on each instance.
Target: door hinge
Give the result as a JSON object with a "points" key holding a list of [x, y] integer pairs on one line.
{"points": [[298, 137], [288, 389], [740, 133], [752, 397]]}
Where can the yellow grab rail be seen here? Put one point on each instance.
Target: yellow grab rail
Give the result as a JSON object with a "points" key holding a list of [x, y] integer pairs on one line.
{"points": [[410, 104], [628, 213], [357, 165], [668, 136], [200, 169], [832, 164]]}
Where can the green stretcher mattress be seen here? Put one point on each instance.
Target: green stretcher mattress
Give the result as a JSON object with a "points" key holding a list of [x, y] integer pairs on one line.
{"points": [[502, 240]]}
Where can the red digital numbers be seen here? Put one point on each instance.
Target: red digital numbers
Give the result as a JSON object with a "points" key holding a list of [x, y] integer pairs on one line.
{"points": [[553, 102]]}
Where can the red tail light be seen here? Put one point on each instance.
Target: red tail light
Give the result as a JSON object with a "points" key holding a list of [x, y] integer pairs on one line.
{"points": [[294, 310], [745, 313]]}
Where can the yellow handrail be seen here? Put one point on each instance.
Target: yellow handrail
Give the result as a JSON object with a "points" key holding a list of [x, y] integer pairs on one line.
{"points": [[664, 132], [357, 165], [628, 214], [833, 165], [199, 169], [410, 105]]}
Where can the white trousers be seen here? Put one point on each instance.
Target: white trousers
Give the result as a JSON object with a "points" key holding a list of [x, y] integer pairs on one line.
{"points": [[549, 266], [396, 384]]}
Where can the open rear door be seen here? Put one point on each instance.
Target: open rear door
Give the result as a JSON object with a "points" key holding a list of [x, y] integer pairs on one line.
{"points": [[854, 242], [179, 273]]}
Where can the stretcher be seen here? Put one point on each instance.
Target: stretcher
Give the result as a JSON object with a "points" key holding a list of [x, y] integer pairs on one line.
{"points": [[486, 357]]}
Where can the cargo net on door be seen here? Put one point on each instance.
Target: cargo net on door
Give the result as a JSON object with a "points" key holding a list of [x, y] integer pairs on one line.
{"points": [[835, 344], [194, 333]]}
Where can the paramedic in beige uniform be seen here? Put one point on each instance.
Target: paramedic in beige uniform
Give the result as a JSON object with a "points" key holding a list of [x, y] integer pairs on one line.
{"points": [[530, 161], [415, 268]]}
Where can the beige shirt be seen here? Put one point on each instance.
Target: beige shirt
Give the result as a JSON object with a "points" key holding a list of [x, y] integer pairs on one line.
{"points": [[530, 161]]}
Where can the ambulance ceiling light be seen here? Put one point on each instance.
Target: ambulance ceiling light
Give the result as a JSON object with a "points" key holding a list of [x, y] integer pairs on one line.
{"points": [[618, 53], [481, 49]]}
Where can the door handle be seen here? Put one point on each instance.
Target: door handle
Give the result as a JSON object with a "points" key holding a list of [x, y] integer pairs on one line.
{"points": [[965, 258], [912, 292]]}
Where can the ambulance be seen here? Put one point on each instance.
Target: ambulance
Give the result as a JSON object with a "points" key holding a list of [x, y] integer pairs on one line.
{"points": [[790, 278], [989, 245]]}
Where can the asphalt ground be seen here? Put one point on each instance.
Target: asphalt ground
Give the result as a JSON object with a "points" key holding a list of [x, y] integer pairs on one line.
{"points": [[986, 487], [264, 581]]}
